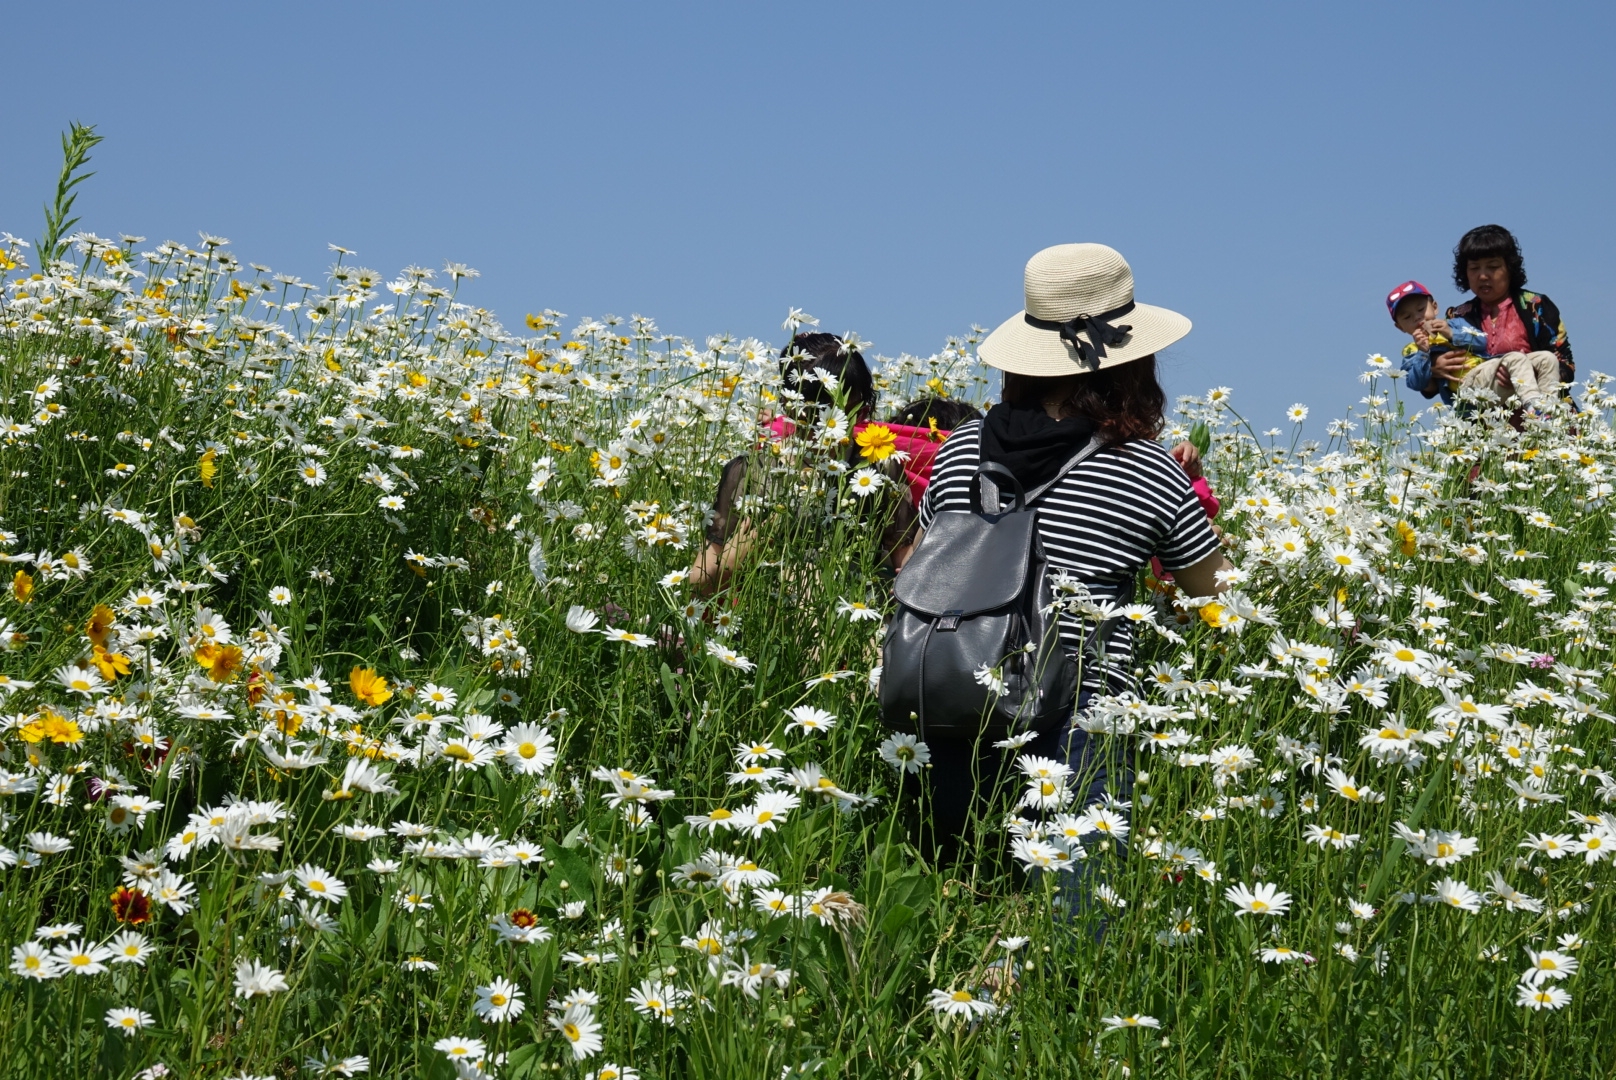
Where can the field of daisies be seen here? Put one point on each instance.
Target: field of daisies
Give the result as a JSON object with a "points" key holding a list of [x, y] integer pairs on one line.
{"points": [[356, 716]]}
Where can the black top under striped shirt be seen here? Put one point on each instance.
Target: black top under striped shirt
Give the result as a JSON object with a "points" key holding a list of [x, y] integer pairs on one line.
{"points": [[1101, 524]]}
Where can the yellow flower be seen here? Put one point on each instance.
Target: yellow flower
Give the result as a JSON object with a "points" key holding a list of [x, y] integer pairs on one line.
{"points": [[207, 468], [368, 686], [238, 290], [50, 725], [61, 730], [22, 586], [99, 626], [111, 664], [1212, 615], [1409, 542], [1528, 455], [876, 442]]}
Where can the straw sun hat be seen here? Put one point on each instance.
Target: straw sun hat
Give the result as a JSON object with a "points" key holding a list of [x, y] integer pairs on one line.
{"points": [[1080, 316]]}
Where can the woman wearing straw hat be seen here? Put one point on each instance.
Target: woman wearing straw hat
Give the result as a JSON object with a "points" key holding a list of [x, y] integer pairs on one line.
{"points": [[1079, 363]]}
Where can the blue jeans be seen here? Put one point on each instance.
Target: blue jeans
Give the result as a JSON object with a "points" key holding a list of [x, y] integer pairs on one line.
{"points": [[975, 784]]}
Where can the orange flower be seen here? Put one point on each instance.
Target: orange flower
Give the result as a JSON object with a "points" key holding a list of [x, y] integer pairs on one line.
{"points": [[99, 626], [22, 586], [368, 686], [221, 662], [130, 905], [876, 442]]}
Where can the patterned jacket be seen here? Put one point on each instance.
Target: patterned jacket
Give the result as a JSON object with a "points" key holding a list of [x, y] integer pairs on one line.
{"points": [[1544, 330]]}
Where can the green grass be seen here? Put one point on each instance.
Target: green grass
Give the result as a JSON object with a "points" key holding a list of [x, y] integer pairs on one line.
{"points": [[356, 371]]}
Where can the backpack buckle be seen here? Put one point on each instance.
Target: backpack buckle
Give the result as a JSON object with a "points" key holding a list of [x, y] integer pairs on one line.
{"points": [[950, 620]]}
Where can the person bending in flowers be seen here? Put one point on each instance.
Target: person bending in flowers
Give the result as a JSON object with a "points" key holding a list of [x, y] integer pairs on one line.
{"points": [[822, 375]]}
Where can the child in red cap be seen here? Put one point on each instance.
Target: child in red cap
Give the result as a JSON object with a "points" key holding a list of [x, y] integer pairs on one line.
{"points": [[1535, 382]]}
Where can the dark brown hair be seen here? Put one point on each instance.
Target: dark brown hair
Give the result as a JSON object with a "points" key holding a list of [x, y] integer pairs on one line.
{"points": [[1125, 402], [827, 351]]}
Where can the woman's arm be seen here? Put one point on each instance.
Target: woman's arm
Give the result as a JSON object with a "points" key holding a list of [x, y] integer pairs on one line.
{"points": [[728, 538], [716, 564], [1201, 579]]}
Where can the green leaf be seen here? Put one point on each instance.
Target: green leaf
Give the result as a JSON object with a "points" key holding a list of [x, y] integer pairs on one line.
{"points": [[899, 917], [670, 687], [1201, 437]]}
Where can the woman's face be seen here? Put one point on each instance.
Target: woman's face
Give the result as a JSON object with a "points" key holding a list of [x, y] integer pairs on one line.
{"points": [[1489, 279]]}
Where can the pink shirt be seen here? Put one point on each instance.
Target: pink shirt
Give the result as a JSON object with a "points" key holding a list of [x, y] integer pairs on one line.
{"points": [[1504, 329]]}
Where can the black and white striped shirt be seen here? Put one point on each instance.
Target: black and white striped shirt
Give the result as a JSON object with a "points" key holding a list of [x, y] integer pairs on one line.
{"points": [[1102, 523]]}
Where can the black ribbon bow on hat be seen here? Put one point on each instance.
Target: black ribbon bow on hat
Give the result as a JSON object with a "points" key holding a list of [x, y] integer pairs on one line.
{"points": [[1098, 327]]}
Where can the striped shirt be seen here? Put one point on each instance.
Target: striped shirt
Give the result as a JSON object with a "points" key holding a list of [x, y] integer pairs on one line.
{"points": [[1101, 524]]}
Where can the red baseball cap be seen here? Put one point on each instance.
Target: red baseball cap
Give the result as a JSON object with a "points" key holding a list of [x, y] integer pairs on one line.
{"points": [[1407, 288]]}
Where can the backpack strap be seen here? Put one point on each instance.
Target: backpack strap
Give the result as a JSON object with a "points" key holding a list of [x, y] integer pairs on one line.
{"points": [[985, 490]]}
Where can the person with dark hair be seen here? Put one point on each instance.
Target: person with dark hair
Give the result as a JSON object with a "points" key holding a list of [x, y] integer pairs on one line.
{"points": [[1533, 381], [1488, 263], [936, 413], [1079, 364], [823, 377], [918, 429], [809, 358]]}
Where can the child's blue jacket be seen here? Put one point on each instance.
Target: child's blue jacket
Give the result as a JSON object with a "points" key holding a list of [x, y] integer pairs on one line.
{"points": [[1417, 361]]}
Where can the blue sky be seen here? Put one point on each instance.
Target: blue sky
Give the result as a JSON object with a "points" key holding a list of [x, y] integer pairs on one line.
{"points": [[1269, 170]]}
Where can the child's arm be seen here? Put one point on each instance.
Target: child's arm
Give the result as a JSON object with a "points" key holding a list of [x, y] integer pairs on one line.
{"points": [[1416, 368], [1465, 336]]}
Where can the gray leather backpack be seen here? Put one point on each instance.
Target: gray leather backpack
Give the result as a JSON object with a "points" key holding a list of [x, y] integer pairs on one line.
{"points": [[976, 594]]}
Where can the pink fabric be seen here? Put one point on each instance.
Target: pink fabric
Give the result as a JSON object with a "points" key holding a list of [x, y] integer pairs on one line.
{"points": [[919, 443], [1505, 331]]}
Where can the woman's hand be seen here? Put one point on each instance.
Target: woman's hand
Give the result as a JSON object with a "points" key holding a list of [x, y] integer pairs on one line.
{"points": [[1188, 458], [1450, 365]]}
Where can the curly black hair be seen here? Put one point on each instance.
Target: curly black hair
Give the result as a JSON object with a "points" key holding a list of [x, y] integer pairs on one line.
{"points": [[1488, 242], [830, 353]]}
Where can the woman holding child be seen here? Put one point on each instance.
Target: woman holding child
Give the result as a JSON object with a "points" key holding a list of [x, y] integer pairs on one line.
{"points": [[1504, 339]]}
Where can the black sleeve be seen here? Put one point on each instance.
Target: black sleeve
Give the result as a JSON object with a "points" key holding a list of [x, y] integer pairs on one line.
{"points": [[1553, 329], [725, 517]]}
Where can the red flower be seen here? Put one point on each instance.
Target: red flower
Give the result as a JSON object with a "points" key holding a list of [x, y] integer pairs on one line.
{"points": [[130, 906]]}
